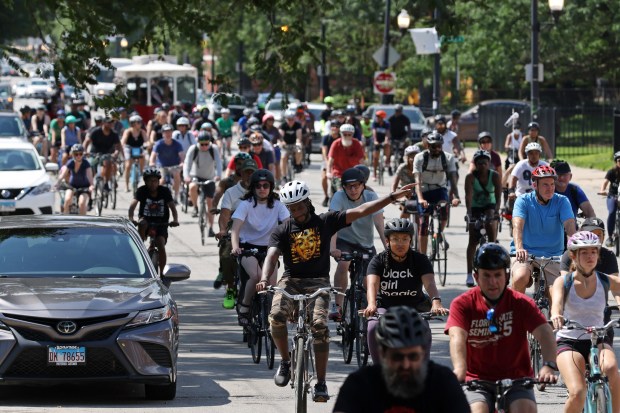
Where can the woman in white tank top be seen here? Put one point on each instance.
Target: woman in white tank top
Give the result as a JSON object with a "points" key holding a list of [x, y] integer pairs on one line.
{"points": [[585, 303]]}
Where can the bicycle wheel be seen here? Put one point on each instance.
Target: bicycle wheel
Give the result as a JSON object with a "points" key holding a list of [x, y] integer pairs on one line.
{"points": [[98, 200], [600, 400], [617, 233], [346, 327], [113, 192], [254, 339], [361, 345], [442, 263], [202, 218], [135, 178], [270, 346], [301, 395]]}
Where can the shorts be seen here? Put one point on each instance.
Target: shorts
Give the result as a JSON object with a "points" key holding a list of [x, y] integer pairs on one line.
{"points": [[159, 230], [488, 396], [432, 197], [290, 148], [552, 270], [130, 151], [209, 189], [477, 212], [580, 346]]}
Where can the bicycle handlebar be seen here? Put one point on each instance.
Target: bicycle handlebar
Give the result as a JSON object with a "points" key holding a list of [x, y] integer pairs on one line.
{"points": [[429, 315], [300, 297], [553, 258], [503, 384], [350, 256], [599, 331]]}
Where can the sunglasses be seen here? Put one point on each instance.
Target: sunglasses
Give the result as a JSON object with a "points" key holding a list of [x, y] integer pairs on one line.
{"points": [[266, 185], [205, 144], [398, 357], [493, 327], [78, 154], [257, 144]]}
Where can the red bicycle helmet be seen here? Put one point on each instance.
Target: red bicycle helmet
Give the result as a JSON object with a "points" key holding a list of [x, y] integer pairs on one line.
{"points": [[544, 172]]}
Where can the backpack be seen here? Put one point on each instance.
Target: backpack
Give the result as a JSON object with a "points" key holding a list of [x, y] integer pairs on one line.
{"points": [[197, 146], [568, 283], [444, 163]]}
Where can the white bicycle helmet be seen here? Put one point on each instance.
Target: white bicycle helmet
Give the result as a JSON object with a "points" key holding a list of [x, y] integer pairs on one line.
{"points": [[411, 150], [583, 239], [135, 118], [183, 121], [293, 192], [224, 110], [533, 146], [347, 128], [289, 114]]}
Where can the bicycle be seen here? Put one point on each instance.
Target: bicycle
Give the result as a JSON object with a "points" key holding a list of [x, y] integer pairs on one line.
{"points": [[135, 172], [615, 237], [74, 209], [352, 326], [153, 251], [303, 371], [480, 224], [501, 388], [598, 399], [202, 209], [398, 146], [102, 196], [380, 163], [439, 253], [410, 206]]}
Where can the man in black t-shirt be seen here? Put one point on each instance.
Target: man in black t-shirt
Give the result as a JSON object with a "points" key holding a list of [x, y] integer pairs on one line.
{"points": [[103, 141], [400, 125], [291, 133], [304, 243], [406, 381]]}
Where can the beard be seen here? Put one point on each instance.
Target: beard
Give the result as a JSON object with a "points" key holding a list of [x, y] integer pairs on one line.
{"points": [[347, 142], [404, 387]]}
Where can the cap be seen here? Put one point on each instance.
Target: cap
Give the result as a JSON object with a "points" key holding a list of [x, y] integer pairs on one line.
{"points": [[590, 224], [561, 167], [249, 164], [167, 127]]}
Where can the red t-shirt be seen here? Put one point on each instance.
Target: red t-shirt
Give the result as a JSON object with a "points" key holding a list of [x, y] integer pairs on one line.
{"points": [[504, 355], [231, 164], [345, 157]]}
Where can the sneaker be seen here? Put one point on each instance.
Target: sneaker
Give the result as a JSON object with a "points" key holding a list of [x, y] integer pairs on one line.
{"points": [[442, 239], [326, 201], [319, 393], [470, 280], [390, 171], [217, 284], [335, 313], [211, 233], [195, 213], [609, 242], [283, 375], [229, 299]]}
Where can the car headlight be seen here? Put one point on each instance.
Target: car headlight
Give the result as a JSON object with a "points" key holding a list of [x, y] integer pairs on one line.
{"points": [[101, 92], [151, 316], [41, 189]]}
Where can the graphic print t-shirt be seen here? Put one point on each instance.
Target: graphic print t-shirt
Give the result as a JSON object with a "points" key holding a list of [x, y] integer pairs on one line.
{"points": [[154, 209], [305, 247]]}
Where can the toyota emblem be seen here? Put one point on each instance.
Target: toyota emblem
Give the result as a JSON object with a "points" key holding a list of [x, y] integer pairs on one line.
{"points": [[66, 327], [5, 193]]}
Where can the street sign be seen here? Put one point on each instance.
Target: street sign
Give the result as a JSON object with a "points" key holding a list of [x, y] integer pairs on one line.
{"points": [[393, 56], [528, 72], [384, 83], [425, 40]]}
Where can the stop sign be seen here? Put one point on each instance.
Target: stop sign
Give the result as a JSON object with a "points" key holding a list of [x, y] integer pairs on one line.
{"points": [[384, 82]]}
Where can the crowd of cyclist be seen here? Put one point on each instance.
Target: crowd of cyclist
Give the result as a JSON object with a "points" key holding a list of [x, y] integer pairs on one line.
{"points": [[259, 209]]}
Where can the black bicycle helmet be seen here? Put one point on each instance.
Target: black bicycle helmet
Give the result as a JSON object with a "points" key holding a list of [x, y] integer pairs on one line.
{"points": [[533, 125], [262, 175], [481, 154], [204, 136], [425, 131], [484, 134], [352, 175], [616, 156], [401, 327], [491, 256], [244, 141], [77, 148], [440, 119], [455, 113], [434, 137], [365, 171], [151, 171], [350, 109], [402, 225], [242, 157]]}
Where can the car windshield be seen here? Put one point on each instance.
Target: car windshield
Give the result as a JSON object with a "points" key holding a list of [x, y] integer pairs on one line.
{"points": [[316, 112], [18, 160], [89, 252], [11, 126], [39, 83], [415, 116]]}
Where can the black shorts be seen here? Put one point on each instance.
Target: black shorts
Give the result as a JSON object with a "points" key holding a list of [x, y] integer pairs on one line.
{"points": [[158, 230], [209, 189], [477, 212], [580, 346]]}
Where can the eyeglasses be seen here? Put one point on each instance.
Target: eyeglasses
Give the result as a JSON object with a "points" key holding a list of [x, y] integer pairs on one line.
{"points": [[78, 154], [398, 357], [266, 185], [493, 327], [352, 187], [205, 144]]}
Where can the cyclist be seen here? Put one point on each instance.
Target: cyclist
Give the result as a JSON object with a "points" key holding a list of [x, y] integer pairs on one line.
{"points": [[327, 112], [256, 217], [55, 138], [326, 144], [263, 150], [539, 221], [396, 277], [483, 196], [423, 144], [224, 126], [400, 125], [243, 120], [103, 141], [512, 145], [563, 186], [521, 175], [244, 145], [78, 173], [451, 142], [453, 123], [533, 135], [380, 138], [488, 328], [168, 154], [359, 236], [204, 117], [156, 133], [203, 163], [273, 133], [612, 179], [70, 135], [404, 175], [183, 135], [406, 379], [134, 137], [581, 296], [177, 113], [303, 241], [433, 169], [40, 124], [344, 153], [485, 143], [291, 137], [366, 126], [155, 206], [230, 201]]}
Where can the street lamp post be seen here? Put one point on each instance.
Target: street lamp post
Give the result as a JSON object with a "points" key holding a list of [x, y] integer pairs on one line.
{"points": [[124, 44], [403, 21], [437, 73]]}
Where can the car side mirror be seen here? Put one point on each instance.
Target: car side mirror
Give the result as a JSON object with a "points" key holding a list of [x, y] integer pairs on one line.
{"points": [[51, 167], [176, 272]]}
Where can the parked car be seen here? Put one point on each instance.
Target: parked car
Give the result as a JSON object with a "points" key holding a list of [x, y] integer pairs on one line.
{"points": [[25, 186], [468, 125], [236, 103], [12, 126], [6, 97], [40, 88], [80, 301], [415, 115], [20, 89], [316, 109]]}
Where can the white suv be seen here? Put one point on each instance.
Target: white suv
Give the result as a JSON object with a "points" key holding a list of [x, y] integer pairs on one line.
{"points": [[25, 186]]}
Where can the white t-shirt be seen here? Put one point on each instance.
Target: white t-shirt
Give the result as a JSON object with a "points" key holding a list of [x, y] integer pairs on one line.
{"points": [[448, 137], [232, 197], [523, 171], [259, 221]]}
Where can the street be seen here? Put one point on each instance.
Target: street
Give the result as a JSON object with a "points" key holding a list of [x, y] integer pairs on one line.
{"points": [[216, 372]]}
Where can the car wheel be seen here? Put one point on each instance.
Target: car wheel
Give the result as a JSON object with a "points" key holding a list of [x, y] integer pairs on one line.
{"points": [[160, 392]]}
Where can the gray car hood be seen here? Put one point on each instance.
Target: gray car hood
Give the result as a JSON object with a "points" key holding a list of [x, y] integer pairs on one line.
{"points": [[81, 297]]}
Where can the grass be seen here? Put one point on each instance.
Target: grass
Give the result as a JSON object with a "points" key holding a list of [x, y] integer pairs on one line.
{"points": [[601, 160]]}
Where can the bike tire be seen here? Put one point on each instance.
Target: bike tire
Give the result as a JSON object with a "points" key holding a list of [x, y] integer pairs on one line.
{"points": [[202, 219], [617, 235], [254, 339], [301, 394], [346, 326], [113, 192], [361, 345], [270, 346], [99, 197], [600, 400], [135, 179]]}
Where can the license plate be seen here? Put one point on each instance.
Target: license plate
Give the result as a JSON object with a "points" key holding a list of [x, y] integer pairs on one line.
{"points": [[66, 355], [7, 206]]}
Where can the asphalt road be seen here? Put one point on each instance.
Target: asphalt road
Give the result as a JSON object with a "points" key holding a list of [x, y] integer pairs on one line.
{"points": [[216, 372]]}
